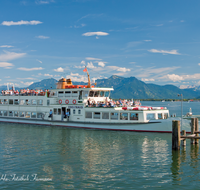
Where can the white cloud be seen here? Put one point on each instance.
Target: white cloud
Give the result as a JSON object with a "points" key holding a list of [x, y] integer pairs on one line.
{"points": [[92, 58], [42, 37], [74, 74], [26, 83], [11, 55], [147, 40], [6, 65], [199, 64], [22, 22], [60, 69], [95, 33], [174, 77], [77, 78], [122, 69], [83, 62], [26, 78], [6, 46], [90, 65], [79, 67], [101, 63], [182, 21], [38, 60], [174, 52], [44, 2], [48, 75], [147, 80], [30, 69]]}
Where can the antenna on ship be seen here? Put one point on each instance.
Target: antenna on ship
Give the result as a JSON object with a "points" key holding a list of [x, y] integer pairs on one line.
{"points": [[89, 83]]}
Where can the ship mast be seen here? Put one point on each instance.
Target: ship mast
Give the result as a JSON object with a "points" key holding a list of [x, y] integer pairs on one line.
{"points": [[89, 83]]}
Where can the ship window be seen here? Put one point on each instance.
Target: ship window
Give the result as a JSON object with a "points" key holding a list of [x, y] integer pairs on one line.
{"points": [[74, 111], [16, 114], [67, 93], [11, 113], [74, 93], [27, 114], [133, 116], [28, 102], [21, 102], [150, 116], [33, 114], [105, 115], [85, 94], [5, 101], [16, 101], [91, 94], [88, 114], [1, 113], [114, 116], [59, 111], [96, 93], [11, 101], [97, 115], [106, 93], [1, 101], [165, 115], [34, 102], [123, 116], [40, 115], [60, 93], [79, 111], [101, 93], [55, 111], [159, 115], [40, 102], [48, 102], [21, 114], [5, 113]]}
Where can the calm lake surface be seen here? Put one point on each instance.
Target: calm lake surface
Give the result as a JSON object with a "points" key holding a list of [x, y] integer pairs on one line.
{"points": [[38, 157]]}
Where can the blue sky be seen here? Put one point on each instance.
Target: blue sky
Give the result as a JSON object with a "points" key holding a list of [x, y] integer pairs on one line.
{"points": [[155, 41]]}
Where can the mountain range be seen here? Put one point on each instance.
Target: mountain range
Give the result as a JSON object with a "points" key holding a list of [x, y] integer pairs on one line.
{"points": [[128, 88]]}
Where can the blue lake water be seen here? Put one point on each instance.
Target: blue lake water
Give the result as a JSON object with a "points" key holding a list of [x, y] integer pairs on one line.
{"points": [[37, 157]]}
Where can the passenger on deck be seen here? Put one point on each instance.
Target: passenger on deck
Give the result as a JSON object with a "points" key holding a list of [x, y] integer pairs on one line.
{"points": [[89, 103], [50, 113]]}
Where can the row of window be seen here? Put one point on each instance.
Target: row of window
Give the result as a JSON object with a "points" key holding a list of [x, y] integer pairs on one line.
{"points": [[112, 115], [21, 114], [21, 102], [99, 93], [57, 111]]}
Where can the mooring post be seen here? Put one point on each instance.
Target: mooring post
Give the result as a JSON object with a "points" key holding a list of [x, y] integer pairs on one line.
{"points": [[193, 121], [175, 135], [183, 142], [196, 129]]}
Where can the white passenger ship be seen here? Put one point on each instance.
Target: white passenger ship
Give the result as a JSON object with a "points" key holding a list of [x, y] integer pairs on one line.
{"points": [[34, 109]]}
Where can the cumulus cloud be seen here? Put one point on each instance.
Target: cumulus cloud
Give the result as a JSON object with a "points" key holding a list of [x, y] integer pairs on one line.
{"points": [[79, 67], [26, 83], [101, 63], [30, 69], [11, 55], [60, 69], [175, 78], [95, 33], [77, 78], [90, 65], [42, 37], [83, 62], [22, 22], [6, 46], [173, 52], [92, 58]]}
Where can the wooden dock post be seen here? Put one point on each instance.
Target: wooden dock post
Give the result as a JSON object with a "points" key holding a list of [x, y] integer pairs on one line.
{"points": [[196, 129], [193, 123], [175, 135], [183, 141]]}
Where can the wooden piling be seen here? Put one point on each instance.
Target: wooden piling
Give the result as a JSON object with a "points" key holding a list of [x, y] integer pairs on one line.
{"points": [[193, 123], [175, 135], [196, 129], [183, 141]]}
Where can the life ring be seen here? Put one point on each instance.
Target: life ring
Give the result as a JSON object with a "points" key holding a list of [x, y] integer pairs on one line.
{"points": [[74, 101], [60, 101], [67, 101]]}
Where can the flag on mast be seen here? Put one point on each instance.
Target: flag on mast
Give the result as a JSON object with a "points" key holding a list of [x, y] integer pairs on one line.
{"points": [[85, 70]]}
